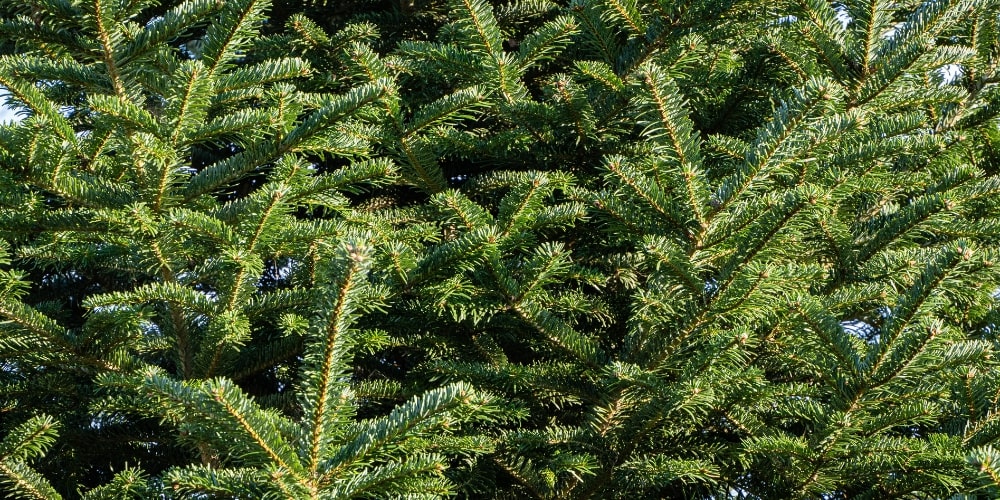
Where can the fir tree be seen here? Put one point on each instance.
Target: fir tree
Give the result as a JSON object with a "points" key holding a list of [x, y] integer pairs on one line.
{"points": [[168, 290], [601, 249]]}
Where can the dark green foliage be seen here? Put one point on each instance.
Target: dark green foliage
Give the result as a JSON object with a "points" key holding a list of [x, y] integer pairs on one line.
{"points": [[587, 249]]}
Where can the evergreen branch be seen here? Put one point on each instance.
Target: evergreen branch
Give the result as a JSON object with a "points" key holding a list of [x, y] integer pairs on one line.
{"points": [[987, 458], [67, 70], [547, 41], [446, 110], [95, 146], [770, 138], [309, 31], [549, 261], [28, 440], [764, 229], [522, 201], [650, 193], [910, 304], [926, 21], [129, 483], [666, 118], [626, 11], [746, 318], [236, 126], [476, 17], [237, 25], [255, 361], [177, 319], [607, 204], [891, 71], [277, 194], [469, 214], [870, 18], [253, 423], [37, 323], [893, 226], [393, 477], [599, 34], [238, 97], [730, 147], [781, 48], [249, 266], [234, 167], [459, 60], [676, 261], [905, 356], [172, 292], [421, 159], [371, 63], [333, 346], [828, 37], [600, 72], [35, 100], [675, 59], [235, 416], [25, 28], [25, 482], [220, 482], [102, 22], [358, 177], [124, 110], [180, 19], [913, 413], [87, 190], [507, 73], [658, 470], [334, 108], [199, 224], [263, 73], [398, 425], [524, 472], [830, 331], [188, 106], [562, 215], [558, 332], [821, 456], [460, 254]]}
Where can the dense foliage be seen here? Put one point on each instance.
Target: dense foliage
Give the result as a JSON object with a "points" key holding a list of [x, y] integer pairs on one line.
{"points": [[500, 249]]}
